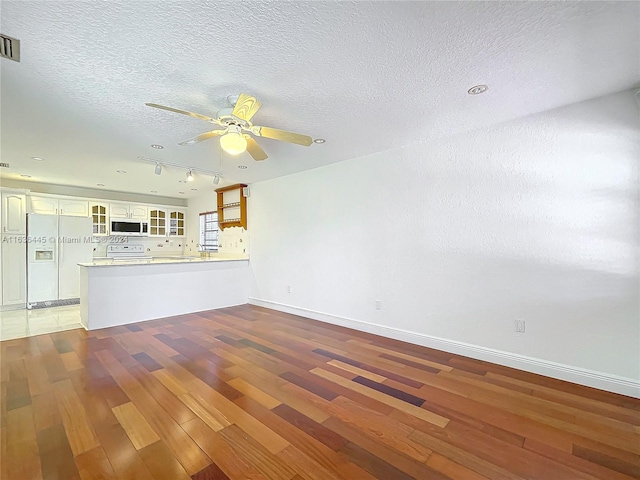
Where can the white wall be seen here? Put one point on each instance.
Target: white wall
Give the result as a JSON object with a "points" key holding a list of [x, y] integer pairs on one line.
{"points": [[535, 219]]}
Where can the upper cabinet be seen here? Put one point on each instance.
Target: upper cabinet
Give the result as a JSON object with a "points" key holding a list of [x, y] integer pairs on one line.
{"points": [[157, 222], [43, 205], [58, 206], [76, 208], [14, 219], [164, 221], [126, 210], [99, 217], [232, 206], [177, 226], [140, 212]]}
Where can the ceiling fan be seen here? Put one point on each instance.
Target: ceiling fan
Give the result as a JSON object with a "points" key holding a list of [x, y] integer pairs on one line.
{"points": [[237, 127]]}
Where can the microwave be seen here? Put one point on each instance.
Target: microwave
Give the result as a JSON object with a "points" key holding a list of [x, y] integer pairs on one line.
{"points": [[128, 226]]}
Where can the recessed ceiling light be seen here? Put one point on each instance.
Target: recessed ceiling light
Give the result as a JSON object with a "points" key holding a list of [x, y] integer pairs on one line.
{"points": [[100, 184], [478, 89], [242, 167], [38, 159], [182, 181], [181, 193], [194, 189], [155, 145], [25, 176], [319, 140], [154, 191], [121, 171]]}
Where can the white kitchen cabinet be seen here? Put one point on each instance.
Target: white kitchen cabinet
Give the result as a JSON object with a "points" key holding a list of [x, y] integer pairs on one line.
{"points": [[139, 212], [119, 210], [177, 223], [44, 205], [13, 253], [100, 218], [158, 222], [126, 210], [14, 219], [14, 272], [73, 207]]}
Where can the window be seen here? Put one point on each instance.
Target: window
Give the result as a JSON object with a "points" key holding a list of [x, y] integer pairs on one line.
{"points": [[209, 232]]}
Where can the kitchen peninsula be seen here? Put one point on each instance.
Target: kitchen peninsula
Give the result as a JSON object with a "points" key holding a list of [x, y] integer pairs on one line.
{"points": [[116, 293]]}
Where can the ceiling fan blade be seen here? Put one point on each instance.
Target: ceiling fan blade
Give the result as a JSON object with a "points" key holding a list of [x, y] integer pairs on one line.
{"points": [[183, 112], [255, 150], [284, 136], [246, 107], [203, 136]]}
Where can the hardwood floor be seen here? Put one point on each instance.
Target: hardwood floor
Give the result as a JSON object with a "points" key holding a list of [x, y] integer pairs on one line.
{"points": [[250, 393]]}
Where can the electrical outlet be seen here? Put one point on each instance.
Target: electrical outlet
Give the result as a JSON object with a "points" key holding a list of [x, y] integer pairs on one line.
{"points": [[288, 288], [519, 325], [378, 304]]}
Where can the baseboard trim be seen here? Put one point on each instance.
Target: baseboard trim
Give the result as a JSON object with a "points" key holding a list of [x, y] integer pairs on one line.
{"points": [[581, 376]]}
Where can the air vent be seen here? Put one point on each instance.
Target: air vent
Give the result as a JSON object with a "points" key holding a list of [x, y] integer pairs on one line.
{"points": [[9, 47], [4, 165]]}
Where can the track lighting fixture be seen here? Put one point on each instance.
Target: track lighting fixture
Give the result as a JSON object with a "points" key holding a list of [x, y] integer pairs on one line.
{"points": [[159, 167]]}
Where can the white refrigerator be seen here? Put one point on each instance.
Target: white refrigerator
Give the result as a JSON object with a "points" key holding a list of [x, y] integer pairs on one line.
{"points": [[56, 244]]}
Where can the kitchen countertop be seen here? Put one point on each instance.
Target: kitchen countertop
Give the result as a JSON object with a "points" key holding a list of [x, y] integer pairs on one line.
{"points": [[110, 262]]}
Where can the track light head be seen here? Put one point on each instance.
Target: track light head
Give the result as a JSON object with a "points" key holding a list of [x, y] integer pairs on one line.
{"points": [[158, 169], [216, 180], [189, 176]]}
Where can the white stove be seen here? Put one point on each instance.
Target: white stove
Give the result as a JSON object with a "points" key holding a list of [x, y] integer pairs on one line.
{"points": [[127, 252]]}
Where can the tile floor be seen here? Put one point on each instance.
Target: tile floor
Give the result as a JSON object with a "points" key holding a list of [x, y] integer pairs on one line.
{"points": [[27, 323]]}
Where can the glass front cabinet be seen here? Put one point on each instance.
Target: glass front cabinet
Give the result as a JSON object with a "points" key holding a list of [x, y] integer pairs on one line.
{"points": [[158, 223], [176, 223], [100, 219]]}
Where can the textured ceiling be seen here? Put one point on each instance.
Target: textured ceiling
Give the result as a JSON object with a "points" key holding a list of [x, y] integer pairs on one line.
{"points": [[366, 76]]}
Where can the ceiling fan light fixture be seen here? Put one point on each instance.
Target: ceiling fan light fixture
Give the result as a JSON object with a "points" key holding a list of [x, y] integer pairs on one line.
{"points": [[233, 142], [158, 169]]}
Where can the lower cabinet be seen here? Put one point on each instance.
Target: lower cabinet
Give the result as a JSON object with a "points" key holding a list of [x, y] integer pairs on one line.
{"points": [[14, 273]]}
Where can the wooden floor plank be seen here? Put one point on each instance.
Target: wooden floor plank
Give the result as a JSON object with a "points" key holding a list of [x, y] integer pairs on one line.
{"points": [[187, 452], [94, 465], [22, 456], [222, 454], [250, 393], [161, 463], [264, 461], [391, 401], [80, 433], [138, 430]]}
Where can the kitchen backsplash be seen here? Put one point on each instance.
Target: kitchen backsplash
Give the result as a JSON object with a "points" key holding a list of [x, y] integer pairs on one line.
{"points": [[234, 240], [153, 246]]}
